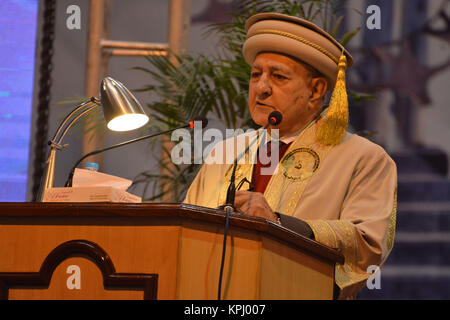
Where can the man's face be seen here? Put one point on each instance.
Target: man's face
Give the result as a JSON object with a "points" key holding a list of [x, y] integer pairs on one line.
{"points": [[280, 83]]}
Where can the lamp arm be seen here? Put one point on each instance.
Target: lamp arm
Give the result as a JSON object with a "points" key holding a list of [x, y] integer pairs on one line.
{"points": [[76, 109], [74, 120], [48, 178]]}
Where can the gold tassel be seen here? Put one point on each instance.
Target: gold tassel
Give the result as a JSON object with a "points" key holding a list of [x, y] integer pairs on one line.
{"points": [[332, 128]]}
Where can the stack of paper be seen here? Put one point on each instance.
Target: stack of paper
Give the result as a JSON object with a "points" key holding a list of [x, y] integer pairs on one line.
{"points": [[91, 186]]}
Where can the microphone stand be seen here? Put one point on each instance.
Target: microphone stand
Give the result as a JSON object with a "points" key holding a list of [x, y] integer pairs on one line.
{"points": [[189, 125], [274, 118], [231, 191], [229, 207]]}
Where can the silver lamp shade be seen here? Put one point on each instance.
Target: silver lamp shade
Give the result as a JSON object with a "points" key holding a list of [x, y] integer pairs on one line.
{"points": [[121, 109]]}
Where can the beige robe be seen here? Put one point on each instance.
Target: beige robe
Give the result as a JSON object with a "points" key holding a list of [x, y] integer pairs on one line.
{"points": [[346, 193]]}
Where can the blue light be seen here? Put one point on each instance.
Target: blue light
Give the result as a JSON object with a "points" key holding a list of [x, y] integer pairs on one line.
{"points": [[17, 52]]}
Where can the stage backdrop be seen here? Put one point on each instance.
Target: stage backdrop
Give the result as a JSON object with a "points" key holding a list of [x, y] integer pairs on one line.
{"points": [[18, 21]]}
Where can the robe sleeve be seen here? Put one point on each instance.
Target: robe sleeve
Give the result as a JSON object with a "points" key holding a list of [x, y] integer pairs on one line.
{"points": [[365, 231], [205, 189], [196, 188]]}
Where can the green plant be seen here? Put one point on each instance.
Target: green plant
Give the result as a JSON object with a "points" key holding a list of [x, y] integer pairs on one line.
{"points": [[217, 85]]}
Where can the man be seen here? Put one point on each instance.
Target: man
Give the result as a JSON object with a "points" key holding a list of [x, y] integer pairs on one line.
{"points": [[330, 185]]}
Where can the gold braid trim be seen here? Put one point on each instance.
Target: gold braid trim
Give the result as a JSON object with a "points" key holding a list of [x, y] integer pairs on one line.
{"points": [[286, 186], [392, 223], [323, 233], [340, 234], [299, 39]]}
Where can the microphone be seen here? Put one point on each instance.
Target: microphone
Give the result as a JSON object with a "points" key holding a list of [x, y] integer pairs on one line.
{"points": [[190, 125], [274, 119]]}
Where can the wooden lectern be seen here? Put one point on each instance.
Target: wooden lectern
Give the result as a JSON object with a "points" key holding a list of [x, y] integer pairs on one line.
{"points": [[154, 251]]}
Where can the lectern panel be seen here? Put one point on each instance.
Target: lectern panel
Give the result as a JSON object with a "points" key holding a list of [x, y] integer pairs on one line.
{"points": [[292, 274], [75, 279], [198, 278], [180, 245], [134, 249]]}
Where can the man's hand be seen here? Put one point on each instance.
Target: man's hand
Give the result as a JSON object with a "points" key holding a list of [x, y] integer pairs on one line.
{"points": [[254, 204]]}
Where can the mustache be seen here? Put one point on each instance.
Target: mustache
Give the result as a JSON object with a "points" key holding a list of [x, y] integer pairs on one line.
{"points": [[264, 104]]}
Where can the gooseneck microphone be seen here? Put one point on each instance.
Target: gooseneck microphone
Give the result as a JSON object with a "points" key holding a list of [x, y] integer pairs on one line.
{"points": [[190, 124], [274, 119]]}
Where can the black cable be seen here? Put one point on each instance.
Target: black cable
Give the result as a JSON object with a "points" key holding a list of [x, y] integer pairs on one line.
{"points": [[224, 249], [69, 179], [190, 124]]}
